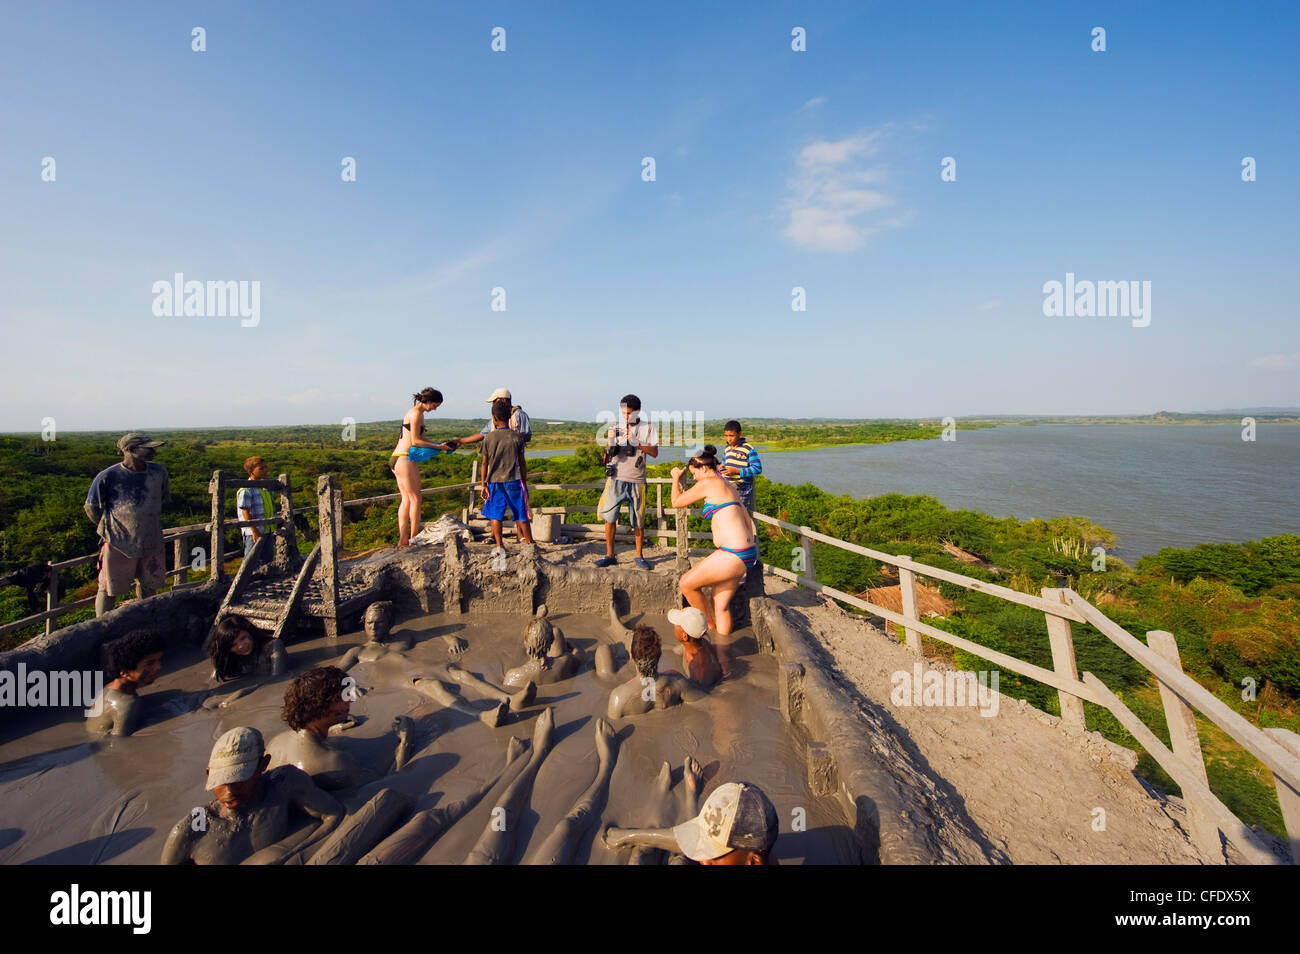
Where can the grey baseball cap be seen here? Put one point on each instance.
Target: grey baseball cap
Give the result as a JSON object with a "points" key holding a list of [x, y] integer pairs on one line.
{"points": [[736, 815], [136, 439]]}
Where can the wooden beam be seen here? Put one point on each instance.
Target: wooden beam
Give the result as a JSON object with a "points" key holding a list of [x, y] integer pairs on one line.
{"points": [[907, 591], [1063, 661]]}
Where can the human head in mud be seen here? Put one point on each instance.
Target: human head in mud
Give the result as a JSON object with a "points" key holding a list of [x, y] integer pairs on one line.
{"points": [[737, 826], [134, 661], [235, 767], [378, 621], [316, 700], [646, 651], [537, 641], [235, 644]]}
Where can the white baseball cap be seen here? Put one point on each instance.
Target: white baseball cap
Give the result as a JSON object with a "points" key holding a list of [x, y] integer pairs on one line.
{"points": [[736, 815], [689, 619], [500, 393], [235, 757]]}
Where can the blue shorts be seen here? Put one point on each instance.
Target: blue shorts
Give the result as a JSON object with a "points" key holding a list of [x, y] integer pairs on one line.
{"points": [[507, 493]]}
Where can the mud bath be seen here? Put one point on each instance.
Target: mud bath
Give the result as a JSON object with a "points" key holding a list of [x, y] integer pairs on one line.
{"points": [[70, 798]]}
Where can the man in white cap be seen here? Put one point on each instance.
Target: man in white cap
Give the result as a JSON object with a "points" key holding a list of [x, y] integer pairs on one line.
{"points": [[250, 817], [737, 826], [699, 658], [125, 503], [518, 422]]}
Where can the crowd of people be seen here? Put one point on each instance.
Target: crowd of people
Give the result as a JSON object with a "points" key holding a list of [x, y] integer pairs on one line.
{"points": [[256, 784]]}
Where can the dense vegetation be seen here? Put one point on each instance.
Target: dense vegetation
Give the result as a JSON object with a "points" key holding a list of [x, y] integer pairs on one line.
{"points": [[1235, 609]]}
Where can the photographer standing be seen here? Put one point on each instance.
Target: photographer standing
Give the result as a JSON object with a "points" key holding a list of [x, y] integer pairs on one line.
{"points": [[628, 443]]}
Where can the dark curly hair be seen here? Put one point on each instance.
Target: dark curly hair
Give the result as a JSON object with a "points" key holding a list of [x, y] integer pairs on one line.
{"points": [[646, 650], [230, 665], [311, 695], [123, 655]]}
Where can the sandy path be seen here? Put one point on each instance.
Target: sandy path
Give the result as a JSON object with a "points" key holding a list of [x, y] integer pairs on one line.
{"points": [[1027, 783]]}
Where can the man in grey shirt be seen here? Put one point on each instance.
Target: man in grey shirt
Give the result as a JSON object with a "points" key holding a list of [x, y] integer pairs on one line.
{"points": [[125, 503]]}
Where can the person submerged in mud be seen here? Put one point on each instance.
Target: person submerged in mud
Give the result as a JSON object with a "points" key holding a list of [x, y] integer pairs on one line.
{"points": [[133, 662], [249, 820], [315, 701], [699, 658], [240, 649], [548, 657], [649, 689], [738, 825]]}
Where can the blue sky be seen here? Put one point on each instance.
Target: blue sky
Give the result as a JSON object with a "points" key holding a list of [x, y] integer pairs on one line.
{"points": [[522, 170]]}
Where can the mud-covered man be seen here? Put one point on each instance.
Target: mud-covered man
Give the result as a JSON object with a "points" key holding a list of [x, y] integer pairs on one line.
{"points": [[250, 819], [649, 689], [125, 503]]}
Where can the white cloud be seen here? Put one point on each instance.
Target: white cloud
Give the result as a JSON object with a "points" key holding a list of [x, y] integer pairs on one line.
{"points": [[1277, 362], [990, 305], [814, 102], [827, 199]]}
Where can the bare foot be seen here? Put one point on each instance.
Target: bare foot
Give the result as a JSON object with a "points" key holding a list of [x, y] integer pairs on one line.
{"points": [[514, 748], [524, 697], [691, 776], [495, 716], [664, 781], [455, 645], [543, 730], [604, 740], [403, 725]]}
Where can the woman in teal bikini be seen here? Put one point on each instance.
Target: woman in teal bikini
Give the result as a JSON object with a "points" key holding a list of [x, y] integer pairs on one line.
{"points": [[405, 469], [733, 534]]}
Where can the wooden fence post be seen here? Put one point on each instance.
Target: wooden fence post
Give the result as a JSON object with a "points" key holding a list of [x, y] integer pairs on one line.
{"points": [[907, 590], [329, 567], [1287, 796], [52, 598], [1186, 743], [1062, 641], [180, 561], [683, 542], [805, 542], [473, 484], [216, 556], [660, 523]]}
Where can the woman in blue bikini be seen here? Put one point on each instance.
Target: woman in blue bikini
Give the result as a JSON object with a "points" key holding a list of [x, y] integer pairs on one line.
{"points": [[733, 534], [404, 466]]}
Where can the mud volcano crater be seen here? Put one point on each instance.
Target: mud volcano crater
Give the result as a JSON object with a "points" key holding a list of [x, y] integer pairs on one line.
{"points": [[74, 798]]}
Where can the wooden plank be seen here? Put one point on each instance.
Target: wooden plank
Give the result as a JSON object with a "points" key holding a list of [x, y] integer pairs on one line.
{"points": [[907, 590], [805, 544], [1186, 743], [1064, 610], [180, 561], [1045, 676], [47, 614], [75, 561], [51, 598], [289, 611], [1287, 797], [683, 538], [1062, 641], [1251, 738], [1194, 790], [329, 566]]}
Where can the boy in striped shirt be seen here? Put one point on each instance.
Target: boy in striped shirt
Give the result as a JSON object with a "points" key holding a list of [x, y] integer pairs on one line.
{"points": [[741, 464]]}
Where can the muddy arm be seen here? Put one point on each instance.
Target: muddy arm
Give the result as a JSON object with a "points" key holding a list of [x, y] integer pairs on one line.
{"points": [[179, 843]]}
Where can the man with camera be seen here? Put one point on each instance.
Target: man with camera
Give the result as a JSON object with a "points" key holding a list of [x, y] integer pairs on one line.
{"points": [[627, 444]]}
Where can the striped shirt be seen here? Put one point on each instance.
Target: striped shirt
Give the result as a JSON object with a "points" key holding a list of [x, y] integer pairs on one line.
{"points": [[745, 459]]}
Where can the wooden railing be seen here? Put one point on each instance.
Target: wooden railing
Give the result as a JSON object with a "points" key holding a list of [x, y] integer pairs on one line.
{"points": [[1181, 696]]}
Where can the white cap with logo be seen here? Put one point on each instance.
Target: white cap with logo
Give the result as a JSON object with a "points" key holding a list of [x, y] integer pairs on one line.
{"points": [[690, 619], [735, 815], [500, 393], [235, 757]]}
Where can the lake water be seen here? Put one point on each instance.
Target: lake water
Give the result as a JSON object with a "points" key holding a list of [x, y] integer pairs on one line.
{"points": [[1154, 485]]}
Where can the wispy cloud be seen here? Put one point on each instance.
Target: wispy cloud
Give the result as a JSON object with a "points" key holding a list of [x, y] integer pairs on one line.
{"points": [[990, 305], [1277, 362], [827, 199], [814, 102]]}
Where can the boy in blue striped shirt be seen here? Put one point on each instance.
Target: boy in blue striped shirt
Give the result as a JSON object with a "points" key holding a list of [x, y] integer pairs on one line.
{"points": [[741, 464]]}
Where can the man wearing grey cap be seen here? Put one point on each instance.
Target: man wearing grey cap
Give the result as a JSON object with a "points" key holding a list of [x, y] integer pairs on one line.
{"points": [[125, 503], [738, 825]]}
